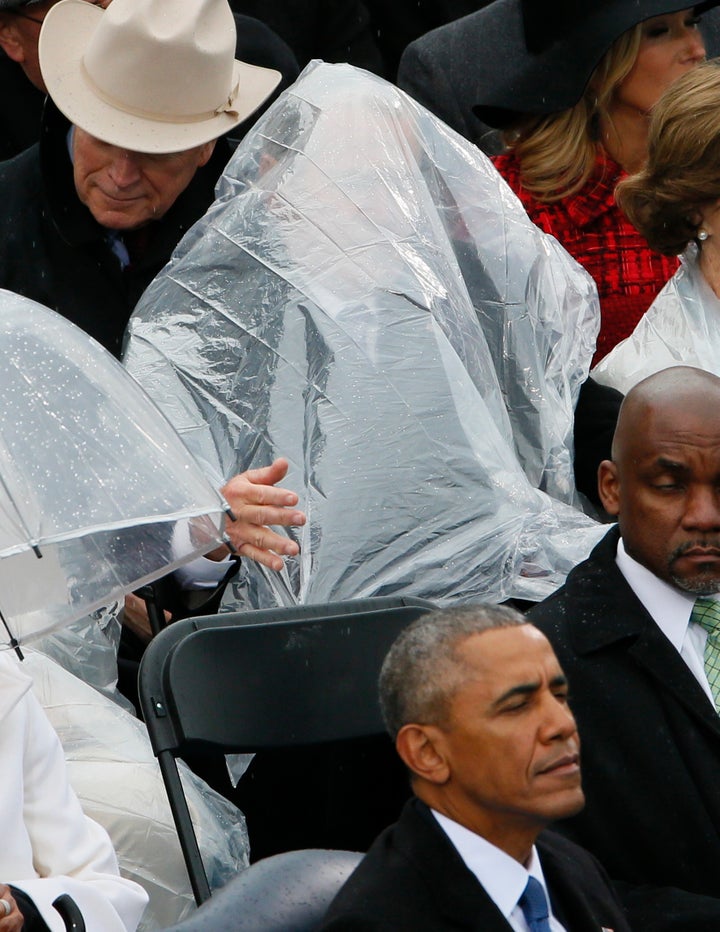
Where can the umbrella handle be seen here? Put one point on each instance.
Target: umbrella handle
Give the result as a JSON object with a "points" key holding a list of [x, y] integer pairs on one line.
{"points": [[71, 915], [155, 613]]}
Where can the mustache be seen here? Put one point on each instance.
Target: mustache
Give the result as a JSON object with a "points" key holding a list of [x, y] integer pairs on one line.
{"points": [[710, 544]]}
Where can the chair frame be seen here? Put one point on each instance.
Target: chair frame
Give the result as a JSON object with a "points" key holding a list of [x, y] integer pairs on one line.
{"points": [[198, 674]]}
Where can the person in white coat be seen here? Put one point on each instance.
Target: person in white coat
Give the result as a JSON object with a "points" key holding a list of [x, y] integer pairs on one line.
{"points": [[49, 847]]}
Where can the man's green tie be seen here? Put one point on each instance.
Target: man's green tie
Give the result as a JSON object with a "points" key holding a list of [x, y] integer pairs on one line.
{"points": [[706, 612]]}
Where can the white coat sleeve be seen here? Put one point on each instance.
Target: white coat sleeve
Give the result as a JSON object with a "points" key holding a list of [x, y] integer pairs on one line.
{"points": [[70, 853]]}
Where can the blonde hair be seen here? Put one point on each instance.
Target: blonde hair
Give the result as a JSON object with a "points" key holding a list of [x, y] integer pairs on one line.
{"points": [[557, 153], [682, 174]]}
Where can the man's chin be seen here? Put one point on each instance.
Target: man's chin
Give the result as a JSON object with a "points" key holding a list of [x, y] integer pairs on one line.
{"points": [[115, 217], [698, 583]]}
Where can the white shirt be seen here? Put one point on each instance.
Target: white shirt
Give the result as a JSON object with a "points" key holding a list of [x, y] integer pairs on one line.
{"points": [[670, 608], [503, 878]]}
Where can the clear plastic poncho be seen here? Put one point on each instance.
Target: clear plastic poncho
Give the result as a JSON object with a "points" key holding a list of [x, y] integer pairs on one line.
{"points": [[680, 328], [369, 299]]}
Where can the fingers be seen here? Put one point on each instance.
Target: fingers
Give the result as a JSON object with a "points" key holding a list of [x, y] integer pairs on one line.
{"points": [[269, 475], [258, 504], [258, 538], [13, 920], [240, 491]]}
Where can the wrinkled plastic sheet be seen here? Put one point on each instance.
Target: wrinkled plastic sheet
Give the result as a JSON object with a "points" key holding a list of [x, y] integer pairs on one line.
{"points": [[680, 328], [117, 779], [368, 298], [88, 649], [97, 493]]}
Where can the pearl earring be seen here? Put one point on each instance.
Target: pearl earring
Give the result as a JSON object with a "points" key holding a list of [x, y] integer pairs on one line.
{"points": [[702, 234]]}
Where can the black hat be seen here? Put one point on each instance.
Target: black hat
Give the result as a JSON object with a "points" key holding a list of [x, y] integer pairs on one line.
{"points": [[540, 54]]}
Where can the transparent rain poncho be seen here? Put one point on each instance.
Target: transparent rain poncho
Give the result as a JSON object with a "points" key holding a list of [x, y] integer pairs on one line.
{"points": [[680, 328], [369, 299], [97, 492]]}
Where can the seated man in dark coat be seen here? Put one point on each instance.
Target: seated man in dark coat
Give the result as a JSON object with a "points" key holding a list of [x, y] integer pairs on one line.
{"points": [[128, 158], [634, 629], [477, 703]]}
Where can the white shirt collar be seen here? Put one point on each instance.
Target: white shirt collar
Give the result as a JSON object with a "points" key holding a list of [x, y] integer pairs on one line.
{"points": [[668, 606], [503, 878]]}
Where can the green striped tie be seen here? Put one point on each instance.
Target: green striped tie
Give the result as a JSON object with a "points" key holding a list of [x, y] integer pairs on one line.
{"points": [[706, 612]]}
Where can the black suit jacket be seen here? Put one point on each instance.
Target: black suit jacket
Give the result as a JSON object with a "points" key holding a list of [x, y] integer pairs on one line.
{"points": [[412, 878], [650, 749]]}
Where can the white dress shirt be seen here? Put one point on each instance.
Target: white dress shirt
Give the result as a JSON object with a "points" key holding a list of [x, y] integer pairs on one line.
{"points": [[503, 878], [670, 608]]}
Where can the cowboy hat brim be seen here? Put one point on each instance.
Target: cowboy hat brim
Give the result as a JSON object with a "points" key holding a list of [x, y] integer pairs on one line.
{"points": [[516, 81], [66, 31]]}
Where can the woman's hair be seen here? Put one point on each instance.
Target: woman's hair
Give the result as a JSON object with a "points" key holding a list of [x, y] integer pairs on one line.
{"points": [[558, 152], [682, 174]]}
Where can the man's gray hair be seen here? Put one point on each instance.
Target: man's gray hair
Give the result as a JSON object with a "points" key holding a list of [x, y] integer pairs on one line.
{"points": [[422, 672]]}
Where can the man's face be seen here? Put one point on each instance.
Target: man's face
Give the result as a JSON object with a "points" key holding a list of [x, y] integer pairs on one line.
{"points": [[664, 486], [510, 741], [125, 190], [19, 34]]}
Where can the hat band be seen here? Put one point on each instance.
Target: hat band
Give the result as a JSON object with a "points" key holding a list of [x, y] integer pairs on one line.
{"points": [[228, 106]]}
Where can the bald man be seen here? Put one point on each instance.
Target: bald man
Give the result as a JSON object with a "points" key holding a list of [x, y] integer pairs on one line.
{"points": [[630, 629]]}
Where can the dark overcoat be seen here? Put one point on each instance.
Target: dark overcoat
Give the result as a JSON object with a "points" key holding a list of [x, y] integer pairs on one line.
{"points": [[650, 749], [412, 878]]}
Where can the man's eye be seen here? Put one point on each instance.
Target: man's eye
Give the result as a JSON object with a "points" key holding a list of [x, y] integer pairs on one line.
{"points": [[516, 706]]}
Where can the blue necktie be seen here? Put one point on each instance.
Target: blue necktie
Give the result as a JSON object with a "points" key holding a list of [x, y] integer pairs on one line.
{"points": [[534, 906]]}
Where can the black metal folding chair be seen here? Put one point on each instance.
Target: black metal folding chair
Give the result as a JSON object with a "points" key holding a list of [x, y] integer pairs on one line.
{"points": [[249, 681]]}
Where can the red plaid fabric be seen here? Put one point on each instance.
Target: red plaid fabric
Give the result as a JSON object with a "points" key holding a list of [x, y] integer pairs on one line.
{"points": [[593, 229]]}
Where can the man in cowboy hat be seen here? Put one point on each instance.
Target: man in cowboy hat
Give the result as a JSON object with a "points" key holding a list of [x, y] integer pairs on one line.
{"points": [[24, 89], [127, 162], [128, 157]]}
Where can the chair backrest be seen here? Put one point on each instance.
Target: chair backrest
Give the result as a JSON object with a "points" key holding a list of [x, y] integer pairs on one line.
{"points": [[288, 892], [280, 678]]}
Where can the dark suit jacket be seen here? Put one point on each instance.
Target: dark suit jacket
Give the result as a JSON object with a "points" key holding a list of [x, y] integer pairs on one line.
{"points": [[650, 748], [412, 878]]}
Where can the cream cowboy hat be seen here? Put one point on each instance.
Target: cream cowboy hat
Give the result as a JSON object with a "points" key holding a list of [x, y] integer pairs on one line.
{"points": [[152, 76]]}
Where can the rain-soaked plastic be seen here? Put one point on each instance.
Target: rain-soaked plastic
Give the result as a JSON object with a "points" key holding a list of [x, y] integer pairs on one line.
{"points": [[97, 493], [117, 779], [680, 328], [368, 298]]}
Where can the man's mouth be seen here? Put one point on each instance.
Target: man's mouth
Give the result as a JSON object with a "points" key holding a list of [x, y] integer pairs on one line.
{"points": [[566, 765]]}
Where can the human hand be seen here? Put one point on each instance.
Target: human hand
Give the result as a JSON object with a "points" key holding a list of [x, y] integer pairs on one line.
{"points": [[256, 503], [12, 921]]}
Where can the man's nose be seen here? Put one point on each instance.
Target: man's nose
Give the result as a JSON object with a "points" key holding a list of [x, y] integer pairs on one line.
{"points": [[702, 509], [124, 169], [559, 720]]}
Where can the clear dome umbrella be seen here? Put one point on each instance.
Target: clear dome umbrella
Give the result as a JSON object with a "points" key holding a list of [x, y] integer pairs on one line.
{"points": [[98, 495]]}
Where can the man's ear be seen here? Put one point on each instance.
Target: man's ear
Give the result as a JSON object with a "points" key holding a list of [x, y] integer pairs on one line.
{"points": [[11, 40], [421, 750], [609, 487], [206, 150]]}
